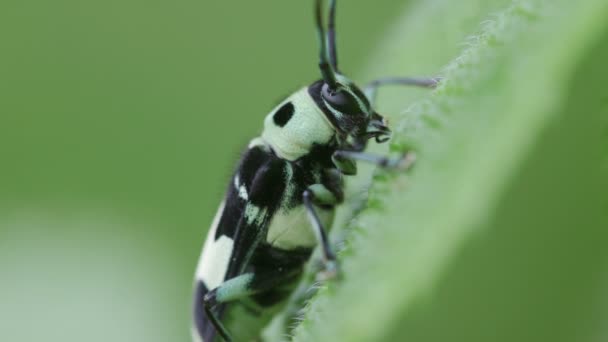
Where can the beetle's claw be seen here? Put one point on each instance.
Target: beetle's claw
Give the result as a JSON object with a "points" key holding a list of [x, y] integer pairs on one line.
{"points": [[406, 161], [330, 271]]}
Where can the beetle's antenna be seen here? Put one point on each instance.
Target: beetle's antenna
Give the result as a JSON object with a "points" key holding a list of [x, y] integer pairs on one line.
{"points": [[327, 71], [331, 36]]}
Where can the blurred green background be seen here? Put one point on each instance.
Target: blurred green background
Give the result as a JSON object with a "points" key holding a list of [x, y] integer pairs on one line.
{"points": [[120, 123]]}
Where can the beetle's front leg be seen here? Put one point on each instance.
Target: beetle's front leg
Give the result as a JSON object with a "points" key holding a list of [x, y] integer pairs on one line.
{"points": [[348, 158], [345, 164], [371, 88]]}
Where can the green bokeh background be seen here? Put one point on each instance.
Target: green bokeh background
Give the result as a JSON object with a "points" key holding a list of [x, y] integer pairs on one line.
{"points": [[120, 122]]}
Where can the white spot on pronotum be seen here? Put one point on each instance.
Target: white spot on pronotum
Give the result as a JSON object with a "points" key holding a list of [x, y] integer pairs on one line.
{"points": [[213, 263]]}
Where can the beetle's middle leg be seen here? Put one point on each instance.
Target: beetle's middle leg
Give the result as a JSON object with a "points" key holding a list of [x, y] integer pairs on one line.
{"points": [[241, 287], [328, 194]]}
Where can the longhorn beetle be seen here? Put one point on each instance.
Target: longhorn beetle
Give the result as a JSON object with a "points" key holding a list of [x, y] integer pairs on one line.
{"points": [[282, 196]]}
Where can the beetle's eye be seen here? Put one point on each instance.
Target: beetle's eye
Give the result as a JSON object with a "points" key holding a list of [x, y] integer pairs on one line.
{"points": [[340, 100]]}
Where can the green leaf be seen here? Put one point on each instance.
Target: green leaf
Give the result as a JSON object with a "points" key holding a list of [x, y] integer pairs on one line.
{"points": [[499, 232]]}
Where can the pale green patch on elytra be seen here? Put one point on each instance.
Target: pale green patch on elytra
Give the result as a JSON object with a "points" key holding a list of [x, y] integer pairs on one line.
{"points": [[254, 213]]}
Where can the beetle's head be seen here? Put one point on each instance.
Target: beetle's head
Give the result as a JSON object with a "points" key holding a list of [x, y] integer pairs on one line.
{"points": [[345, 104], [349, 110]]}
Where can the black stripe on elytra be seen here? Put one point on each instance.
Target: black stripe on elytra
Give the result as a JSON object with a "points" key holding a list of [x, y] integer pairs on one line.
{"points": [[266, 193], [251, 161], [283, 114], [234, 206], [269, 184]]}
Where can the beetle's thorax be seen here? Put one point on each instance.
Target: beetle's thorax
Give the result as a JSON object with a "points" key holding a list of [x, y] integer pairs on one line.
{"points": [[296, 125]]}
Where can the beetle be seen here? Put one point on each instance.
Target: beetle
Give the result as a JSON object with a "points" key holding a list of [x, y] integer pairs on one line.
{"points": [[282, 197]]}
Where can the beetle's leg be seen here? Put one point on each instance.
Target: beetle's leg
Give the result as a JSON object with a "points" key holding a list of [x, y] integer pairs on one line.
{"points": [[346, 165], [426, 82], [403, 163], [320, 194], [371, 88], [210, 303], [241, 287]]}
